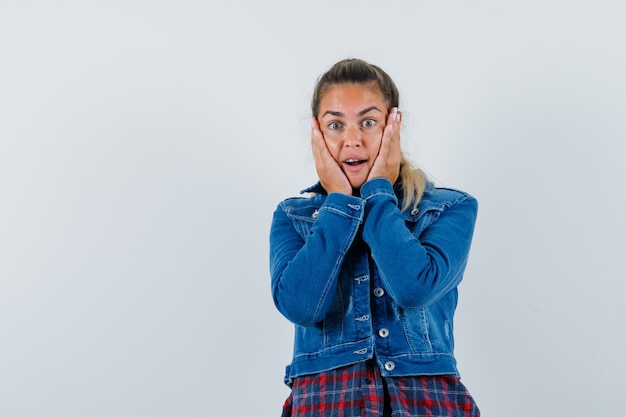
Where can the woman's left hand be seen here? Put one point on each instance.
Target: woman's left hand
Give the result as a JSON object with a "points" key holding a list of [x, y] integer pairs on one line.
{"points": [[387, 163]]}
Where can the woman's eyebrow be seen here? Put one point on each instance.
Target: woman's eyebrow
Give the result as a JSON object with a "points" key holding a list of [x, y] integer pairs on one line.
{"points": [[361, 113], [367, 110], [333, 113]]}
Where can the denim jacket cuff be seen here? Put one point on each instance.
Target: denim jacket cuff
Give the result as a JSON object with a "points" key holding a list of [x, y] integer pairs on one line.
{"points": [[344, 204], [377, 186]]}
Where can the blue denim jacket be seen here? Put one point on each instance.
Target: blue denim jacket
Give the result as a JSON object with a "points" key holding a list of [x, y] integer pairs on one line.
{"points": [[361, 279]]}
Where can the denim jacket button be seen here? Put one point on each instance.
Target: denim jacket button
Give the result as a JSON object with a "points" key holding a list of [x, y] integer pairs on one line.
{"points": [[389, 365], [383, 332], [415, 211], [379, 292], [315, 214]]}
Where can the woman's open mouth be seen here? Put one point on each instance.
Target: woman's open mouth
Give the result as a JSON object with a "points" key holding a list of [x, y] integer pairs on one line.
{"points": [[354, 162], [353, 165]]}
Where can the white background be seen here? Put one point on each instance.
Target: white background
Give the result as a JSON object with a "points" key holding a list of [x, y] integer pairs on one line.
{"points": [[145, 144]]}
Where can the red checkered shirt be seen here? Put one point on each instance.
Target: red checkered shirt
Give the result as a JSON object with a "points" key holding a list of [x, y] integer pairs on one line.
{"points": [[360, 390]]}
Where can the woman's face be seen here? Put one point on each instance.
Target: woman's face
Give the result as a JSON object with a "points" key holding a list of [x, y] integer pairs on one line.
{"points": [[352, 118]]}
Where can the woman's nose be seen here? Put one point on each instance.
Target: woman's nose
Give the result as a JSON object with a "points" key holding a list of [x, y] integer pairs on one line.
{"points": [[353, 137]]}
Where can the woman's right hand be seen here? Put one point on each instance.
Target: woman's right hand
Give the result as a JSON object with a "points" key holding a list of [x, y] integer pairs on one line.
{"points": [[328, 170]]}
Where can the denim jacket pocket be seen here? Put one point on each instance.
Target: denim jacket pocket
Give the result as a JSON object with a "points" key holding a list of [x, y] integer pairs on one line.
{"points": [[415, 324], [427, 216], [303, 219]]}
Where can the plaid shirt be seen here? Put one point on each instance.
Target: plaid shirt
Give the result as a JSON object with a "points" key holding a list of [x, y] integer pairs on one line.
{"points": [[360, 390]]}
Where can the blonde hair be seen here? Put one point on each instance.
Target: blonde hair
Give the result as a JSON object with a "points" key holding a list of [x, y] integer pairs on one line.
{"points": [[413, 184], [357, 71]]}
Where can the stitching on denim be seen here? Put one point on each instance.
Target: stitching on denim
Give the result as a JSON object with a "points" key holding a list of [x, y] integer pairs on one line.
{"points": [[337, 346], [383, 193], [343, 213], [362, 278]]}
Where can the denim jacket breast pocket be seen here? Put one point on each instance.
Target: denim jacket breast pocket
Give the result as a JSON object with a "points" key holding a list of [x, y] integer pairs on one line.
{"points": [[426, 215], [303, 218]]}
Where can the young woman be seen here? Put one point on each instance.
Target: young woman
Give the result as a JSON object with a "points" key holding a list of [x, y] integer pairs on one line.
{"points": [[367, 266]]}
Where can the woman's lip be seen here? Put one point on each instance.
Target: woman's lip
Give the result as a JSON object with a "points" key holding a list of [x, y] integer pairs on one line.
{"points": [[354, 159], [354, 168]]}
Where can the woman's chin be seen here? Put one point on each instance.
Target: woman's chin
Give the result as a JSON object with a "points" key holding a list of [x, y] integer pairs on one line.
{"points": [[356, 181]]}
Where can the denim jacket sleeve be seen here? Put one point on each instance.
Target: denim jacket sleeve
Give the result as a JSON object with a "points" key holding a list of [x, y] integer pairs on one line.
{"points": [[305, 263], [417, 267]]}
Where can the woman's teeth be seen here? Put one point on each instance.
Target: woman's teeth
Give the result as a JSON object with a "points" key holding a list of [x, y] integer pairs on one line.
{"points": [[353, 161]]}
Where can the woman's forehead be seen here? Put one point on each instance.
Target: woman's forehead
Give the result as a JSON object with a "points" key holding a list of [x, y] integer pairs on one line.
{"points": [[352, 98]]}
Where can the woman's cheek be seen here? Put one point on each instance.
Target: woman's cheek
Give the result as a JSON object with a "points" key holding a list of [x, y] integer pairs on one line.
{"points": [[376, 139], [334, 146]]}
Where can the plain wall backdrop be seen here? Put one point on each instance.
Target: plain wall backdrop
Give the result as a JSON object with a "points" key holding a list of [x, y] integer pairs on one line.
{"points": [[145, 144]]}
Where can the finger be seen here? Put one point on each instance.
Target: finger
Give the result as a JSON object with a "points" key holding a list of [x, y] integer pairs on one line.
{"points": [[389, 154], [314, 129], [328, 170], [386, 141], [314, 123], [391, 132], [391, 117], [394, 116], [318, 144], [316, 136], [321, 154], [396, 121]]}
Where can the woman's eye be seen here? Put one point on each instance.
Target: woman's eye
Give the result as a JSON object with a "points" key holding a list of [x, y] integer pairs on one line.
{"points": [[368, 123], [334, 126]]}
